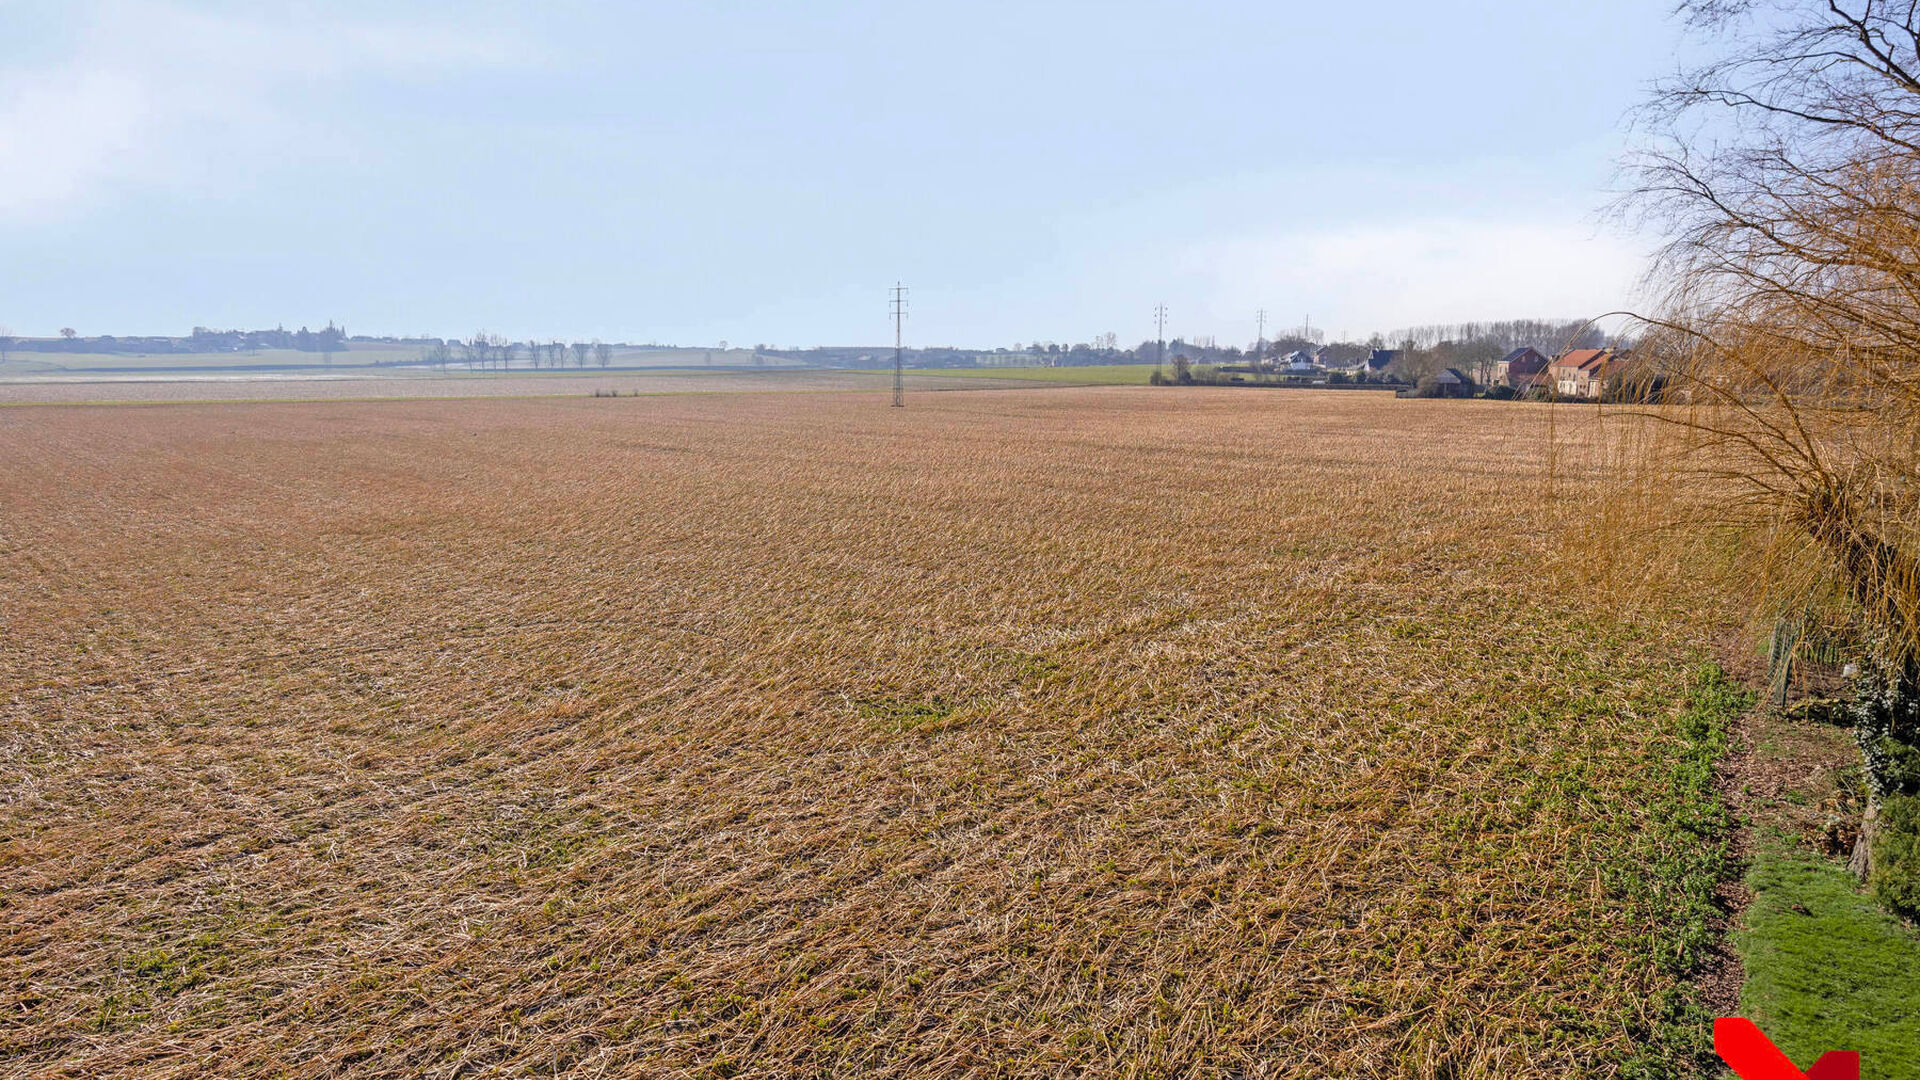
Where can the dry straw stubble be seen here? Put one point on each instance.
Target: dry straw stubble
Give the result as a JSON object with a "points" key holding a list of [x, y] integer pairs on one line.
{"points": [[1018, 733]]}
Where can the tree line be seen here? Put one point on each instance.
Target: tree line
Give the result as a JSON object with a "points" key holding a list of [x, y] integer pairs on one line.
{"points": [[329, 339], [484, 350]]}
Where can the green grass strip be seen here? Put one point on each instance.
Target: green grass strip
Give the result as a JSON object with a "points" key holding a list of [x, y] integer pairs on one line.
{"points": [[1827, 968], [1672, 878]]}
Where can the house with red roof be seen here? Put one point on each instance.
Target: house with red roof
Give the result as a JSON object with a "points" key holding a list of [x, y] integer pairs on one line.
{"points": [[1582, 374]]}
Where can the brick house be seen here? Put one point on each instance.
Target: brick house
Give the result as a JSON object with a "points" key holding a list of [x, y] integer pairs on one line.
{"points": [[1581, 374], [1523, 369]]}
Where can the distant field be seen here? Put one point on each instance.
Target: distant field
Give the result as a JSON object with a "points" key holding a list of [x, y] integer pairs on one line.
{"points": [[342, 386], [19, 362], [26, 362], [1090, 375], [768, 735]]}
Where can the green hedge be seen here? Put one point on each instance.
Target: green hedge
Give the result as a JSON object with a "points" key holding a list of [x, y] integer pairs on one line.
{"points": [[1896, 855]]}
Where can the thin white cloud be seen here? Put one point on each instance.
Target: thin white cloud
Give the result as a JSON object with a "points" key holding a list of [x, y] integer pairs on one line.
{"points": [[1442, 270], [157, 94], [66, 132]]}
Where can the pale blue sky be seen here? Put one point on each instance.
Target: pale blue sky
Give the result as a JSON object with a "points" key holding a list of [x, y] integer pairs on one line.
{"points": [[762, 172]]}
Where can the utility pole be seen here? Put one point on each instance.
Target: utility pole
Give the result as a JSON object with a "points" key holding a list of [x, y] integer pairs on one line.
{"points": [[1160, 336], [899, 319]]}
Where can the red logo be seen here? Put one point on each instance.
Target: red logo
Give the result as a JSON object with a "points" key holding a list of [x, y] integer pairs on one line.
{"points": [[1752, 1056]]}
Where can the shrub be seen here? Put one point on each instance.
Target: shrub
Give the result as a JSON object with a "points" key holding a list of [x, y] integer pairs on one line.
{"points": [[1886, 722], [1896, 855]]}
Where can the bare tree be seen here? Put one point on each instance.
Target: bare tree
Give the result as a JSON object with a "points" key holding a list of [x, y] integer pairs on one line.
{"points": [[1786, 174], [69, 332], [602, 353], [6, 343], [580, 350]]}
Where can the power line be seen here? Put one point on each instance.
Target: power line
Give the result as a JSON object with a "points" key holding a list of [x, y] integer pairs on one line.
{"points": [[1160, 336], [899, 319], [1260, 345]]}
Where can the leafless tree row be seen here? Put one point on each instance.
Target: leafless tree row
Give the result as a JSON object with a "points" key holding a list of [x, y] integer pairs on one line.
{"points": [[484, 350], [1547, 335]]}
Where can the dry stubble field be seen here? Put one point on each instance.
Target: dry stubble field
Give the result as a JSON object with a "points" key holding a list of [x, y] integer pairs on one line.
{"points": [[1061, 732]]}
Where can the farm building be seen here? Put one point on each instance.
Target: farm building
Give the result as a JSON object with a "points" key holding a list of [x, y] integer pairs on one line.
{"points": [[1452, 383], [1523, 369], [1375, 362], [1582, 373]]}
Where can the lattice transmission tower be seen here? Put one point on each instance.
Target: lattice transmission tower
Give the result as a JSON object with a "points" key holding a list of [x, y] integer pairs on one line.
{"points": [[1160, 336], [899, 324]]}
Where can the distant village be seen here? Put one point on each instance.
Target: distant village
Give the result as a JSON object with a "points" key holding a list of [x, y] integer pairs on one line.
{"points": [[1590, 374], [1462, 360]]}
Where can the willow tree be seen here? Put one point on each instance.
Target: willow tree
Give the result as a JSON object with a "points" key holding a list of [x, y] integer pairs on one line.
{"points": [[1787, 172]]}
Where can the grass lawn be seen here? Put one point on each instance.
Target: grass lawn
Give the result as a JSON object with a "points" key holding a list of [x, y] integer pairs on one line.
{"points": [[1827, 968]]}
